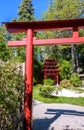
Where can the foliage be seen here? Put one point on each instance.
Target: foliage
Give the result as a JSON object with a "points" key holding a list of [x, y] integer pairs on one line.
{"points": [[65, 9], [59, 10], [75, 80], [46, 90], [66, 68], [38, 77], [80, 49], [11, 88], [2, 34], [53, 99], [65, 83], [26, 11], [48, 81], [4, 52]]}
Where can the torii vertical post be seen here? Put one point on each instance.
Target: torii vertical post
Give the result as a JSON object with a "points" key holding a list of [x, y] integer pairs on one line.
{"points": [[28, 77], [28, 82]]}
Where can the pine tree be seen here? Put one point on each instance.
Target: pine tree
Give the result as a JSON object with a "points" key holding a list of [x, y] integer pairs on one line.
{"points": [[26, 11]]}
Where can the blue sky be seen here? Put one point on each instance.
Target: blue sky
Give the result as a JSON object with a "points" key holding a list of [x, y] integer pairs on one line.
{"points": [[9, 8]]}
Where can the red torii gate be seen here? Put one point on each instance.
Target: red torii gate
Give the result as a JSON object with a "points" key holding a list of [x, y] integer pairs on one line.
{"points": [[29, 42]]}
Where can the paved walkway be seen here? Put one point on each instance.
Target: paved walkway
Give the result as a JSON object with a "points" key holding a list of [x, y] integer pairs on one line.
{"points": [[57, 117]]}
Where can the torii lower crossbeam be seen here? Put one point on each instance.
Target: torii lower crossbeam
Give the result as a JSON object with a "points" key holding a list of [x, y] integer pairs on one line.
{"points": [[57, 41]]}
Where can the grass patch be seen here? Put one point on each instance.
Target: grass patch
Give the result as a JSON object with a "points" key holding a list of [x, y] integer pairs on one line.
{"points": [[55, 99]]}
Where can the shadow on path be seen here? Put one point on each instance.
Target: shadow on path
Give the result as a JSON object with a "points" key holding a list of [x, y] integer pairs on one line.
{"points": [[44, 124]]}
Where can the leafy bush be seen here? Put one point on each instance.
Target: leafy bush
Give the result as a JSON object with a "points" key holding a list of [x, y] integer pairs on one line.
{"points": [[46, 90], [65, 83], [48, 81], [38, 85], [65, 68], [11, 90], [75, 80]]}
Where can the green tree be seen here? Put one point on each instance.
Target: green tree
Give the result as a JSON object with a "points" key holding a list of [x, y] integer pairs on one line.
{"points": [[37, 66], [26, 11], [80, 50], [2, 33], [5, 52], [25, 14], [60, 10], [65, 9], [65, 67]]}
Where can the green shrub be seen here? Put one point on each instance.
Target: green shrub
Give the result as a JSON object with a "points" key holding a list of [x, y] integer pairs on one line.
{"points": [[11, 90], [38, 85], [46, 90], [65, 83], [75, 80], [48, 81], [65, 68]]}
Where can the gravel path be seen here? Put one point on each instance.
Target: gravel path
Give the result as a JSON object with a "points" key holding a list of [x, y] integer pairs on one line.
{"points": [[68, 93], [57, 116]]}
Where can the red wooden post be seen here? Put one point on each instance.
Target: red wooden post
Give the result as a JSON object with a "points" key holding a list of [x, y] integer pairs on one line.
{"points": [[75, 32], [28, 82]]}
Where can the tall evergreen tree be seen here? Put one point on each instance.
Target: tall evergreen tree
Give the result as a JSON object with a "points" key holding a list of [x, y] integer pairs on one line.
{"points": [[26, 11]]}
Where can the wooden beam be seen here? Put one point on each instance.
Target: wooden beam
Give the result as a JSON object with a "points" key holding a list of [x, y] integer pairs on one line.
{"points": [[15, 27], [67, 41]]}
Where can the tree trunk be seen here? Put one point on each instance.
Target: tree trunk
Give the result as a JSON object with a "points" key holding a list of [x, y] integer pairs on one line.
{"points": [[74, 58]]}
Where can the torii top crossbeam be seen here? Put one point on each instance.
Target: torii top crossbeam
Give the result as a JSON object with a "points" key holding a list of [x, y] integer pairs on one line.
{"points": [[14, 27]]}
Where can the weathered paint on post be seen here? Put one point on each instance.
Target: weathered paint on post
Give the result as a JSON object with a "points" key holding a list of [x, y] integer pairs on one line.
{"points": [[28, 80]]}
